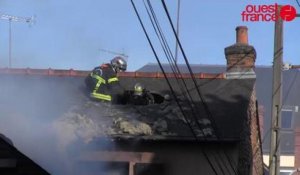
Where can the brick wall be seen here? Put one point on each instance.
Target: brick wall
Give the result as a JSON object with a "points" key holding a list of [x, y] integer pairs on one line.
{"points": [[250, 153], [253, 114], [239, 57], [261, 112]]}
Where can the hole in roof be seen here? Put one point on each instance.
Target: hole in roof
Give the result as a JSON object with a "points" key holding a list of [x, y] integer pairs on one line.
{"points": [[146, 98], [158, 98]]}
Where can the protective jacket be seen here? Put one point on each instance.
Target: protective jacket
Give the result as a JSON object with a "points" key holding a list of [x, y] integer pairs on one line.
{"points": [[145, 98], [103, 83]]}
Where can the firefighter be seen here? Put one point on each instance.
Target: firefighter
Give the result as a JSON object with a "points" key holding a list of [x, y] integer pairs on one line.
{"points": [[103, 82], [141, 96]]}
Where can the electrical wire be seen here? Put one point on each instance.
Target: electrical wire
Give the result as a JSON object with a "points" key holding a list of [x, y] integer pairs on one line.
{"points": [[232, 66], [287, 95], [172, 68], [227, 68], [282, 105], [173, 65], [259, 136], [194, 81], [168, 82], [188, 66], [175, 69], [298, 3]]}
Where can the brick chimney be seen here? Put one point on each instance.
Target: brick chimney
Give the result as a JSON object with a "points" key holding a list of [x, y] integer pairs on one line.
{"points": [[240, 56]]}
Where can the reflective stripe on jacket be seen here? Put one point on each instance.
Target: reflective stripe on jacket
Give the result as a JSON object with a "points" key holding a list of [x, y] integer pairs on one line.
{"points": [[102, 78], [95, 93]]}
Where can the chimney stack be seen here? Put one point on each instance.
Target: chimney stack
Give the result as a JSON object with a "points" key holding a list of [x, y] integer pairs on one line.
{"points": [[240, 56]]}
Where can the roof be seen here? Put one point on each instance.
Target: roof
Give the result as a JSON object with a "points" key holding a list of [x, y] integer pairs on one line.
{"points": [[12, 161], [291, 96], [62, 99], [51, 108]]}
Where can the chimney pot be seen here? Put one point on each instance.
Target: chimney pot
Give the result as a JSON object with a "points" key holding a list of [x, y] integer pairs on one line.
{"points": [[241, 35]]}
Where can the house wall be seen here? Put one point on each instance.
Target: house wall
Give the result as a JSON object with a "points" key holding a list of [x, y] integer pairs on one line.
{"points": [[170, 158]]}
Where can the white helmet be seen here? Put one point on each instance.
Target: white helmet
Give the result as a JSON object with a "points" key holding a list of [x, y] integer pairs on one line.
{"points": [[119, 64], [138, 89]]}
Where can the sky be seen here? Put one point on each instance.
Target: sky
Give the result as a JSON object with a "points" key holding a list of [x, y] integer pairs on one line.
{"points": [[72, 34]]}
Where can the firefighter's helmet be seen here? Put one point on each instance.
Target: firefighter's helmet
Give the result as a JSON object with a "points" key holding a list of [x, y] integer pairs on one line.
{"points": [[138, 89], [119, 64]]}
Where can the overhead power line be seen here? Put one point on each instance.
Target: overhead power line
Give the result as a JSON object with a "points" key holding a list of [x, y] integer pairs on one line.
{"points": [[166, 48], [177, 73], [283, 103], [194, 81], [169, 84], [298, 2]]}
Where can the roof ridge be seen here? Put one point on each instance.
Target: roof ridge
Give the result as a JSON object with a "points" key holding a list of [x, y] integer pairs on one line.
{"points": [[209, 65], [80, 73], [46, 72], [172, 75]]}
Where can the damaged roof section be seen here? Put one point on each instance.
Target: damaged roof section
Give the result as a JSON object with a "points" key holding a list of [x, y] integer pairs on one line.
{"points": [[227, 102], [64, 101]]}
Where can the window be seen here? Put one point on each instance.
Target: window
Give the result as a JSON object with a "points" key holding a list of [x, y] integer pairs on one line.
{"points": [[286, 171], [286, 119]]}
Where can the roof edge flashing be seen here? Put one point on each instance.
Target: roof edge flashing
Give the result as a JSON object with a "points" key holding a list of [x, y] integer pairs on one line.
{"points": [[171, 75], [44, 72], [249, 74], [80, 73]]}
